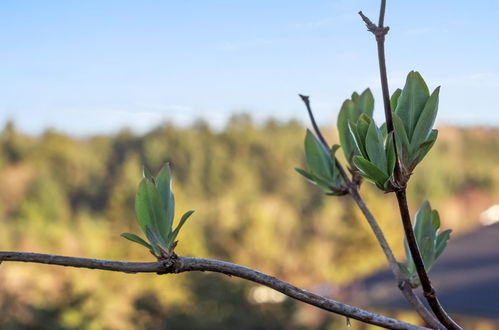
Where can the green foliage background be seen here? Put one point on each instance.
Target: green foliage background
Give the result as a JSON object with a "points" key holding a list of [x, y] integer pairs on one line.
{"points": [[74, 196]]}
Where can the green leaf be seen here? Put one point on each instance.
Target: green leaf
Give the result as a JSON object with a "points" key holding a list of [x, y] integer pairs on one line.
{"points": [[404, 269], [148, 206], [355, 98], [375, 148], [426, 120], [365, 103], [324, 185], [383, 130], [441, 242], [350, 111], [370, 171], [136, 239], [412, 101], [164, 187], [423, 221], [146, 174], [401, 140], [426, 146], [179, 226], [358, 142], [363, 127], [394, 99], [435, 219], [317, 157], [347, 113], [391, 157], [153, 239], [425, 232]]}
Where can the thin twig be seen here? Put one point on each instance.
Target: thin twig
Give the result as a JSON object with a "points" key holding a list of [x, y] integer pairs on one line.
{"points": [[178, 264], [429, 292], [306, 100]]}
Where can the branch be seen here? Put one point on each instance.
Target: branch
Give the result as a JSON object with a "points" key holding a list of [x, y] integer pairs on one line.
{"points": [[402, 283], [352, 187], [379, 32], [306, 100], [178, 264], [428, 290]]}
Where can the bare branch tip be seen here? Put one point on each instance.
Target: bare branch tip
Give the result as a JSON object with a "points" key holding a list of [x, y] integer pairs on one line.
{"points": [[304, 98]]}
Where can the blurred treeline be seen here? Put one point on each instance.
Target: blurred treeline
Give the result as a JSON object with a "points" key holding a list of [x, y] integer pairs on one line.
{"points": [[74, 196]]}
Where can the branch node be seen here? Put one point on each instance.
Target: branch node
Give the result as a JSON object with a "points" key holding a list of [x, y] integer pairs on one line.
{"points": [[430, 294], [378, 31]]}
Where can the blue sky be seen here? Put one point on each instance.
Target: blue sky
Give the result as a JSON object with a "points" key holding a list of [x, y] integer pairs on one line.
{"points": [[88, 67]]}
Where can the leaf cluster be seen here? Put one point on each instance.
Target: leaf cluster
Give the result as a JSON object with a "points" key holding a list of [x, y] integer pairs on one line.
{"points": [[155, 210], [414, 113], [430, 240], [323, 169]]}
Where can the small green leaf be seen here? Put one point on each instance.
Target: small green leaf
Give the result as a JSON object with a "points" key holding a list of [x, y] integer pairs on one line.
{"points": [[146, 174], [403, 268], [148, 206], [425, 230], [383, 130], [426, 146], [136, 239], [441, 242], [394, 99], [370, 171], [423, 221], [412, 101], [401, 140], [365, 103], [355, 98], [363, 125], [435, 219], [426, 120], [164, 187], [358, 142], [375, 148], [317, 157], [324, 185], [347, 113], [154, 241], [179, 226], [391, 157]]}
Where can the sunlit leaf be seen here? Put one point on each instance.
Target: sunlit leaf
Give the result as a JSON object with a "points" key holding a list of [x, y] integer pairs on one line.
{"points": [[411, 101], [148, 206], [164, 186]]}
